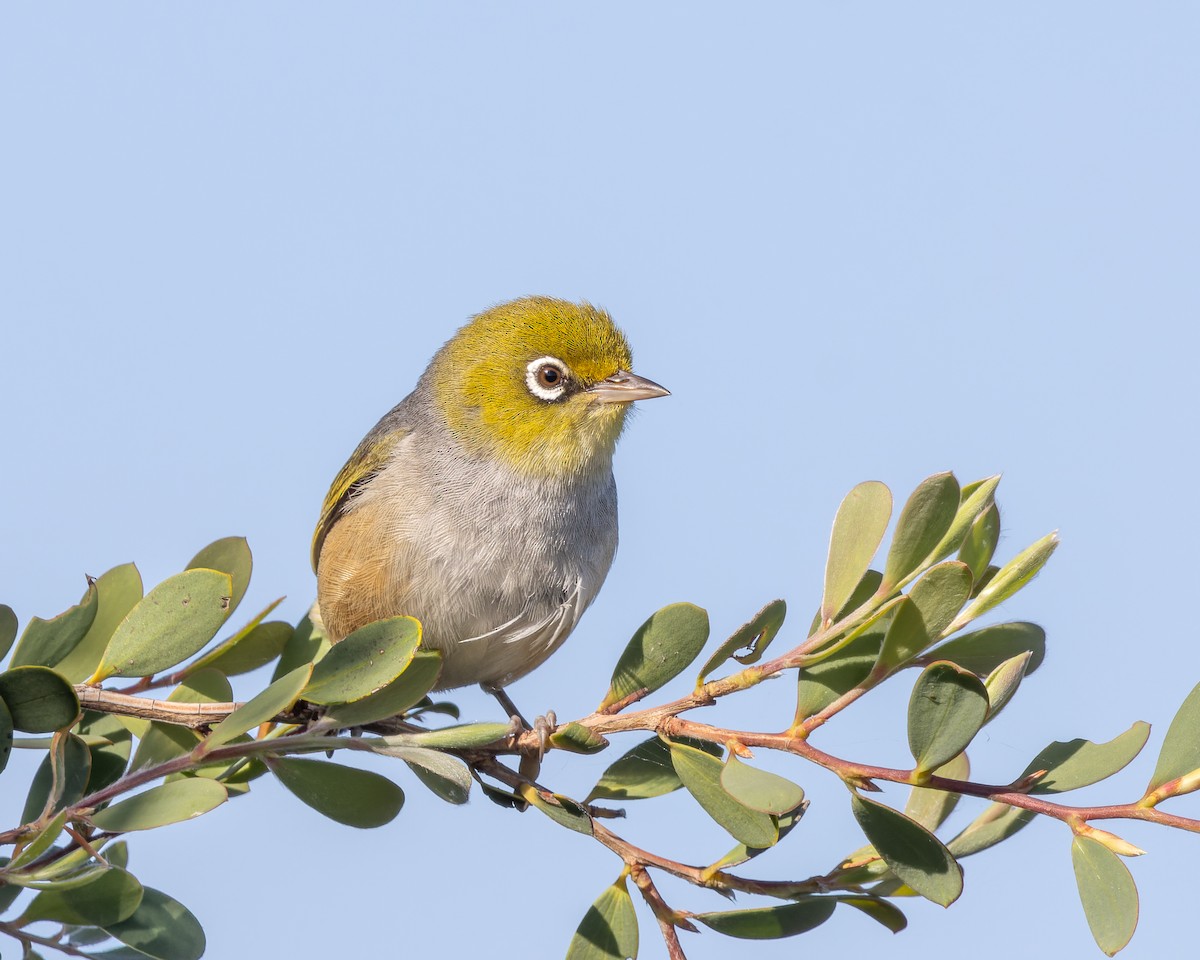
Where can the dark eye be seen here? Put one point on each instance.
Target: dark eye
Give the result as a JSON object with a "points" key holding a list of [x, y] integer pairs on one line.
{"points": [[547, 378]]}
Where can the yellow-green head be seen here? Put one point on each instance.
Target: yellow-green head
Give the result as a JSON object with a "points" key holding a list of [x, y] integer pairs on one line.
{"points": [[541, 384]]}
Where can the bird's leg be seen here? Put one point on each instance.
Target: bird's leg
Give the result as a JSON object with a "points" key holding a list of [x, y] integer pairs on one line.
{"points": [[505, 702]]}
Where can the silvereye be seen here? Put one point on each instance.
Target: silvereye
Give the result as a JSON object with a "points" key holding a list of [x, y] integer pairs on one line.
{"points": [[483, 504]]}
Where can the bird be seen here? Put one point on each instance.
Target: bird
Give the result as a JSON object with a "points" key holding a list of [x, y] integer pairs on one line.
{"points": [[484, 504]]}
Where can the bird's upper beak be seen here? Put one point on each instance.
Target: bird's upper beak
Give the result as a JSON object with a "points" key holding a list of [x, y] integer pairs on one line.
{"points": [[625, 387]]}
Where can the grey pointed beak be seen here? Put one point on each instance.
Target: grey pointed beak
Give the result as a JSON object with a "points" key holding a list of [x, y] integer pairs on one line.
{"points": [[625, 387]]}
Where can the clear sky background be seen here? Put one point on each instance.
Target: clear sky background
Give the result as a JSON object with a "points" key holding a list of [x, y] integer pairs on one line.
{"points": [[857, 242]]}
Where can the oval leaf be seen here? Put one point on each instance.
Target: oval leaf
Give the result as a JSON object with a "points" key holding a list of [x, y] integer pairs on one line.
{"points": [[609, 929], [914, 854], [998, 822], [701, 775], [1180, 752], [1010, 578], [770, 923], [1002, 683], [230, 555], [168, 625], [923, 522], [278, 697], [250, 648], [45, 642], [446, 775], [8, 629], [365, 662], [983, 650], [758, 789], [111, 897], [660, 650], [1078, 763], [39, 700], [752, 638], [858, 531], [947, 708], [645, 771], [161, 927], [405, 691], [561, 809], [464, 736], [6, 734], [118, 591], [357, 798], [979, 545], [906, 637], [940, 594], [576, 738], [168, 803], [1108, 894]]}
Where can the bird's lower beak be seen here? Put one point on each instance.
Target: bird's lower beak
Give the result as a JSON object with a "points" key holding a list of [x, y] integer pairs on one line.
{"points": [[625, 387]]}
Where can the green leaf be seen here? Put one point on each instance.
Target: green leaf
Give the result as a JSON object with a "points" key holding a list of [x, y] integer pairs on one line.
{"points": [[905, 638], [357, 798], [914, 854], [858, 531], [881, 911], [974, 499], [165, 741], [561, 809], [39, 700], [365, 662], [1078, 763], [45, 642], [770, 923], [701, 775], [609, 929], [8, 629], [998, 822], [1009, 579], [644, 771], [64, 772], [6, 734], [42, 842], [930, 807], [1180, 752], [108, 759], [1002, 683], [758, 789], [1108, 894], [308, 644], [278, 697], [753, 637], [111, 897], [161, 927], [231, 556], [168, 625], [660, 650], [405, 691], [118, 590], [741, 853], [982, 651], [940, 594], [250, 648], [947, 708], [576, 738], [924, 521], [167, 803], [979, 545], [446, 775], [464, 736], [820, 684]]}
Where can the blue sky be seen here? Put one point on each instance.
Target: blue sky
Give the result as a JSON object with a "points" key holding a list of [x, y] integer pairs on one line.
{"points": [[868, 242]]}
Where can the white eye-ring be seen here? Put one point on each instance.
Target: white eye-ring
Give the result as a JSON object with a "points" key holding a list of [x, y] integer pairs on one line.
{"points": [[546, 378]]}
